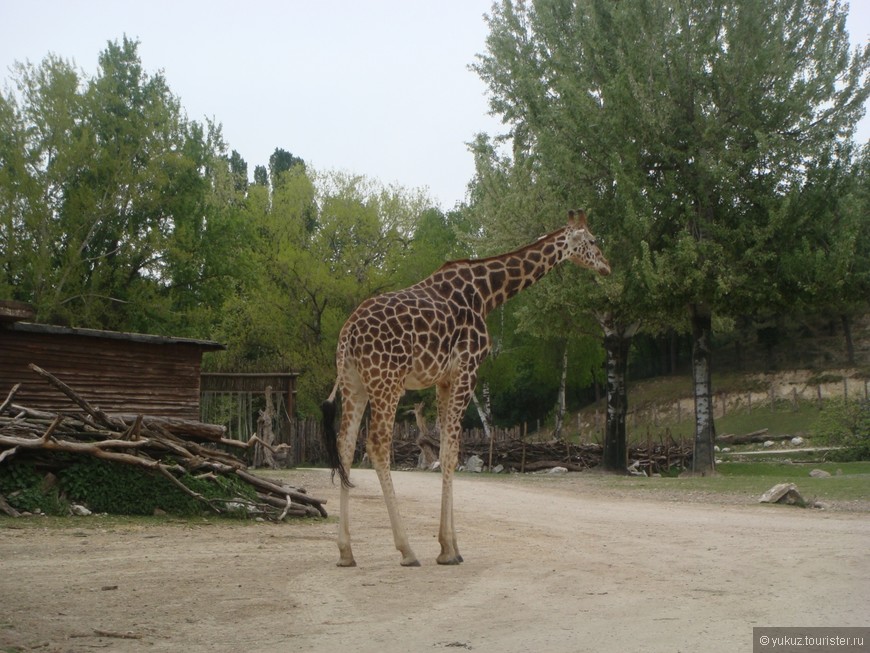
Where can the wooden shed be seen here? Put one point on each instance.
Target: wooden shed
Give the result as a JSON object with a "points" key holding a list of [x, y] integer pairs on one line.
{"points": [[118, 372]]}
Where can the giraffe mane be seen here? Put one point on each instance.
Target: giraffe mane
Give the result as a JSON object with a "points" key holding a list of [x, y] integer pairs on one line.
{"points": [[520, 250]]}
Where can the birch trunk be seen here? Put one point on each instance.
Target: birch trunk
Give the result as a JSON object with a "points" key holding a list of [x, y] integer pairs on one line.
{"points": [[560, 401], [484, 409], [705, 432]]}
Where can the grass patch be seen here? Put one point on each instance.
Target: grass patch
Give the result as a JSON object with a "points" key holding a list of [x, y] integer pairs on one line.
{"points": [[786, 469], [848, 482], [848, 487]]}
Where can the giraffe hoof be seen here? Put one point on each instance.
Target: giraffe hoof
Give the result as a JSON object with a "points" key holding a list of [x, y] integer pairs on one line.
{"points": [[413, 562], [449, 561], [346, 563]]}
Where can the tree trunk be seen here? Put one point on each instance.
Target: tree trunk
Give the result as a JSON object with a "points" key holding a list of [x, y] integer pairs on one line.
{"points": [[705, 431], [484, 409], [263, 448], [847, 333], [617, 342], [560, 401]]}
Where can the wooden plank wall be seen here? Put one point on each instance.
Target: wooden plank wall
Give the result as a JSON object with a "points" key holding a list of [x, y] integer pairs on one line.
{"points": [[115, 374]]}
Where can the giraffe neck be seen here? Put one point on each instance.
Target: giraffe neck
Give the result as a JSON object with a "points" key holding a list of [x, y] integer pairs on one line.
{"points": [[499, 278]]}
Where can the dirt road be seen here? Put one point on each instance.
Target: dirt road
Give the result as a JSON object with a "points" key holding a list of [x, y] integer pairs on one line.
{"points": [[551, 565]]}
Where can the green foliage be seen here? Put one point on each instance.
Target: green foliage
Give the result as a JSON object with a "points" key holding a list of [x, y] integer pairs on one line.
{"points": [[712, 141], [127, 490], [845, 424], [112, 488], [116, 210], [27, 490], [709, 143]]}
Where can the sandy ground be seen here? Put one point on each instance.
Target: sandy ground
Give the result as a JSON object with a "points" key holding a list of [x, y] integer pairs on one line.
{"points": [[551, 564]]}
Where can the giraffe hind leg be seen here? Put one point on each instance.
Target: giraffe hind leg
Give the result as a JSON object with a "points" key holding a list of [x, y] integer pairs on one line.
{"points": [[379, 446], [354, 401]]}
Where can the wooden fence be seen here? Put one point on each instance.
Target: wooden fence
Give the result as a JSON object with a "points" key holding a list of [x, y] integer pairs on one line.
{"points": [[299, 441]]}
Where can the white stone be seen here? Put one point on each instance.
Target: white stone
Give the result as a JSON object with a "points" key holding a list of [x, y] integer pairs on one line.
{"points": [[768, 443], [783, 493], [558, 470], [474, 464], [819, 473], [796, 441], [79, 510]]}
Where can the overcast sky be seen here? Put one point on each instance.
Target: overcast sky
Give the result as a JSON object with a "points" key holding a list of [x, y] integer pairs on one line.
{"points": [[374, 87]]}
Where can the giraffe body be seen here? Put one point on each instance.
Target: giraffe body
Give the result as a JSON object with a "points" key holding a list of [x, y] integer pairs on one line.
{"points": [[430, 334]]}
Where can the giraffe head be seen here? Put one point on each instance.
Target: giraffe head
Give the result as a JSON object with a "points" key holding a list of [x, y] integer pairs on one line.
{"points": [[581, 245]]}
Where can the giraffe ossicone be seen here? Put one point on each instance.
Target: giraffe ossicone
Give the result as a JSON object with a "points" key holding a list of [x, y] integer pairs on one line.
{"points": [[430, 334]]}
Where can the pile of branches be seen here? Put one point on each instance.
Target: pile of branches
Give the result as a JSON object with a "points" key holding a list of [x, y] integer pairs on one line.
{"points": [[520, 456], [535, 456], [173, 448]]}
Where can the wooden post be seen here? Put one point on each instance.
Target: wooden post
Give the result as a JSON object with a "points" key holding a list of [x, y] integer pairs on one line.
{"points": [[491, 445], [523, 461]]}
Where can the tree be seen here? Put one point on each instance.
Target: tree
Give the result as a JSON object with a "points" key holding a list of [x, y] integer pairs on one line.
{"points": [[261, 176], [828, 267], [759, 93], [549, 170], [687, 121], [320, 243], [280, 162], [545, 328], [110, 210]]}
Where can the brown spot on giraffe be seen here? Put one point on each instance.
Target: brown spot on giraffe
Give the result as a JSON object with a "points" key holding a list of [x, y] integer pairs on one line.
{"points": [[433, 333]]}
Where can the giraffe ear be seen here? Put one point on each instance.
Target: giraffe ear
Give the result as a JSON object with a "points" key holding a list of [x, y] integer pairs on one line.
{"points": [[577, 218]]}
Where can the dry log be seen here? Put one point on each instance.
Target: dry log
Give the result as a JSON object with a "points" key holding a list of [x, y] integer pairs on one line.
{"points": [[263, 444], [9, 397], [273, 488], [549, 464], [186, 427], [6, 509], [98, 415], [749, 438]]}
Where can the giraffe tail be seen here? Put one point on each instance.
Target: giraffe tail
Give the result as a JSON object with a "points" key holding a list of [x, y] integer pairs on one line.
{"points": [[330, 440]]}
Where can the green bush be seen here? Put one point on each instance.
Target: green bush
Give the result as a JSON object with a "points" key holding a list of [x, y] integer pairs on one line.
{"points": [[127, 490], [845, 424], [28, 490], [112, 488]]}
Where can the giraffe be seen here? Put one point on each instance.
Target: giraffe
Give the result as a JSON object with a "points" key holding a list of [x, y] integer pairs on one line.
{"points": [[432, 333]]}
